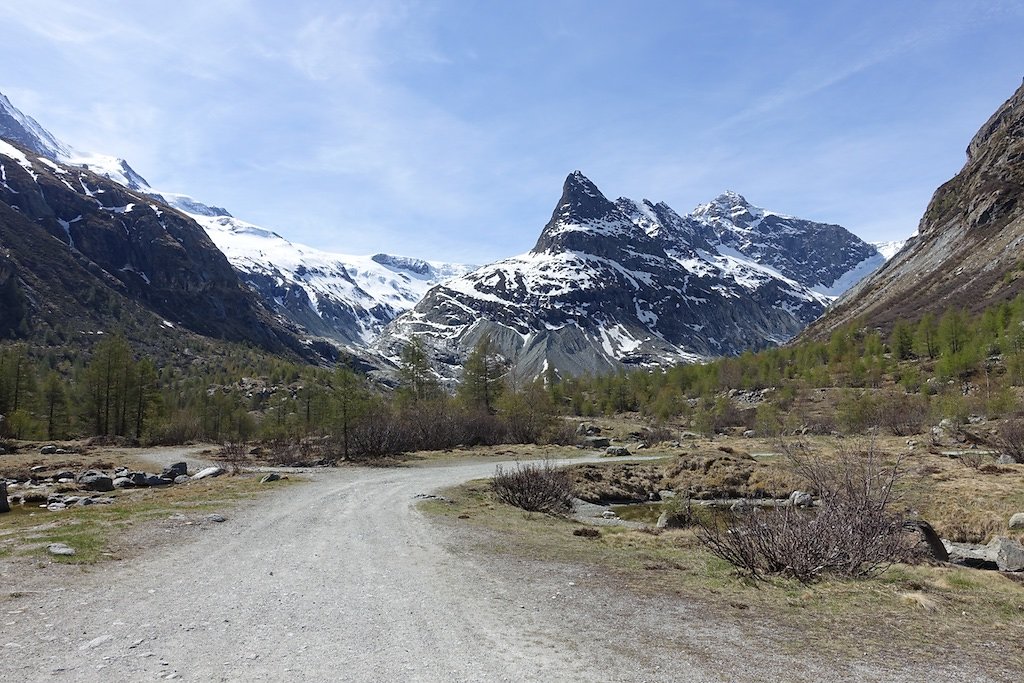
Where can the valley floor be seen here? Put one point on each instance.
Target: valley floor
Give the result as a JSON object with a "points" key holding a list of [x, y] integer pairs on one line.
{"points": [[343, 578]]}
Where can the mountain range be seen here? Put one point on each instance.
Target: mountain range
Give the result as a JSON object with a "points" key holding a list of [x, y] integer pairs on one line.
{"points": [[607, 285], [635, 284]]}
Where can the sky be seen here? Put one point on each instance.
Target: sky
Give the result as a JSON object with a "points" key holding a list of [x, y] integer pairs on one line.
{"points": [[444, 130]]}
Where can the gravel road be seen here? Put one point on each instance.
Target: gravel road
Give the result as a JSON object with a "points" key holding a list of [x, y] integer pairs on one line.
{"points": [[341, 579]]}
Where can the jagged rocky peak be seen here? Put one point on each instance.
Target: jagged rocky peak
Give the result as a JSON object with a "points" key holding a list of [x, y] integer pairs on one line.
{"points": [[730, 206], [584, 220]]}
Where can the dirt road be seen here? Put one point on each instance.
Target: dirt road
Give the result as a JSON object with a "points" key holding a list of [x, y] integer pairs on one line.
{"points": [[341, 579]]}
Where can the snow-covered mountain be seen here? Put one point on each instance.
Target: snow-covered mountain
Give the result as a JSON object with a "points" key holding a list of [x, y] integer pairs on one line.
{"points": [[889, 248], [635, 284], [342, 297]]}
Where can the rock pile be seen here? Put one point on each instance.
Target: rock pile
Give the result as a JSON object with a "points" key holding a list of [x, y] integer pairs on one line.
{"points": [[63, 489]]}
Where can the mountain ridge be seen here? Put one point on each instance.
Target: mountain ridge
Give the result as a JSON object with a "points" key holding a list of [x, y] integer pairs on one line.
{"points": [[620, 284]]}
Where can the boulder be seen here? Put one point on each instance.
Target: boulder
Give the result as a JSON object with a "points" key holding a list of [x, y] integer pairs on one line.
{"points": [[96, 482], [153, 480], [60, 549], [1017, 521], [216, 518], [1005, 459], [748, 433], [212, 471], [801, 499], [64, 474], [596, 442], [1004, 554], [56, 507], [123, 483], [613, 451], [1009, 554], [139, 479], [48, 449], [182, 478], [608, 514], [176, 470], [273, 476]]}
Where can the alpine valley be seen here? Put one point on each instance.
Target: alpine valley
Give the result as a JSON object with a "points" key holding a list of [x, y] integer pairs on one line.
{"points": [[607, 285]]}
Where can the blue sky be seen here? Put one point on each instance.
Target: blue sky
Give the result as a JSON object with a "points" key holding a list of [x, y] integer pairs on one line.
{"points": [[445, 129]]}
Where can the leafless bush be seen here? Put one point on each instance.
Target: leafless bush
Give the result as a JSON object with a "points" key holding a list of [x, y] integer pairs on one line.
{"points": [[855, 531], [234, 454], [534, 487], [658, 434], [902, 414], [1011, 438]]}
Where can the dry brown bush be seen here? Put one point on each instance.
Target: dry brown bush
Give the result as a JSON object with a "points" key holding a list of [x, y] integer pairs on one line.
{"points": [[534, 487], [1011, 438], [856, 531]]}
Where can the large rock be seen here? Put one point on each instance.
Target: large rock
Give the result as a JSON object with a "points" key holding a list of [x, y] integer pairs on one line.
{"points": [[60, 549], [614, 451], [153, 480], [1004, 554], [174, 471], [212, 471], [48, 449], [596, 442], [1017, 521], [123, 483], [96, 482], [1009, 554], [801, 499]]}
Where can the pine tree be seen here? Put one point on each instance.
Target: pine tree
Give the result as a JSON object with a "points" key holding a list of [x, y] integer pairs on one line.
{"points": [[482, 377], [417, 377]]}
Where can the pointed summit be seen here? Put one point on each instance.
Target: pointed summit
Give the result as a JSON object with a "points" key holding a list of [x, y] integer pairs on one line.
{"points": [[581, 201], [584, 220]]}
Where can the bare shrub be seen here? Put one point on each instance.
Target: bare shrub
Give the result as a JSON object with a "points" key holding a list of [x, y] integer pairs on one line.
{"points": [[902, 414], [855, 532], [561, 433], [234, 454], [534, 487], [1011, 438]]}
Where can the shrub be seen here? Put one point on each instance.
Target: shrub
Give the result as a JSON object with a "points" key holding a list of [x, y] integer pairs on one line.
{"points": [[534, 487], [1011, 438], [855, 532]]}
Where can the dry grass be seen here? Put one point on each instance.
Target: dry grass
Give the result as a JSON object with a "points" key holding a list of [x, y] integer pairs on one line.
{"points": [[20, 463], [921, 611]]}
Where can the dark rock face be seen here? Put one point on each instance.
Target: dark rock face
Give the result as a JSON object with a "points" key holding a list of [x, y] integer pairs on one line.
{"points": [[609, 285], [968, 243], [77, 246]]}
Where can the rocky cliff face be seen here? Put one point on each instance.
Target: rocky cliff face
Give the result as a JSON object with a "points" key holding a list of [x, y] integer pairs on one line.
{"points": [[79, 248], [618, 284], [967, 251]]}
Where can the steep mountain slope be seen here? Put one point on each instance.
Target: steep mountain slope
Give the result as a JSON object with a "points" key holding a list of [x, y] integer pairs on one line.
{"points": [[345, 298], [79, 252], [610, 285], [967, 251]]}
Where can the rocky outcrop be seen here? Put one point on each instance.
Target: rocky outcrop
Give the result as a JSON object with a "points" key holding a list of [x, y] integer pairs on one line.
{"points": [[967, 249]]}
